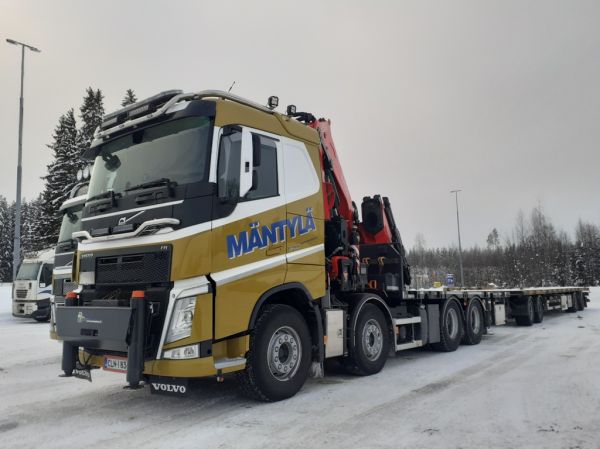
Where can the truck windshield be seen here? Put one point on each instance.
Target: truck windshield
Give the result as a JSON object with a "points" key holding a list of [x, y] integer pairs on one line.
{"points": [[71, 222], [28, 271], [178, 150]]}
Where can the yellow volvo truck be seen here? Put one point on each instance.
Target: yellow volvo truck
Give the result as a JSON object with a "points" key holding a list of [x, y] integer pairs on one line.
{"points": [[219, 236]]}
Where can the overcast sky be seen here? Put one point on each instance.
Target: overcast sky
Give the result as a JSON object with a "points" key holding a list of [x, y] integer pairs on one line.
{"points": [[498, 98]]}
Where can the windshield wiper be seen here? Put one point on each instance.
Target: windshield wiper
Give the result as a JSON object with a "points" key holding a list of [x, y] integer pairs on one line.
{"points": [[107, 194], [155, 183]]}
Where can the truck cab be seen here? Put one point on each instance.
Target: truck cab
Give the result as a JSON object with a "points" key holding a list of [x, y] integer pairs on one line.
{"points": [[71, 211], [32, 287]]}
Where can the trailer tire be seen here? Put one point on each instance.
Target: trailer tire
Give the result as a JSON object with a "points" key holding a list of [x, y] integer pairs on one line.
{"points": [[451, 328], [369, 351], [538, 312], [580, 301], [474, 323], [280, 331], [574, 303], [527, 320]]}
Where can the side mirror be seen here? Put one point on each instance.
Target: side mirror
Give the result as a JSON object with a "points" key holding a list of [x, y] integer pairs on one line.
{"points": [[254, 180], [246, 172], [228, 192]]}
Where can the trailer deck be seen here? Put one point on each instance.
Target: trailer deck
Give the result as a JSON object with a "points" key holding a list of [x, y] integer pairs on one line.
{"points": [[526, 305]]}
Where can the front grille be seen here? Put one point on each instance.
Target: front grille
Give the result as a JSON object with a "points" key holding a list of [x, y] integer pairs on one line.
{"points": [[21, 293], [144, 268]]}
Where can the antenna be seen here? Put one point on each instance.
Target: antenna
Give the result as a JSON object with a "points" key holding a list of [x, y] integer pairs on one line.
{"points": [[231, 87]]}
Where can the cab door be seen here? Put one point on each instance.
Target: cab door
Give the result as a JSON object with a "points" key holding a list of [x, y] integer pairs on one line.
{"points": [[248, 242]]}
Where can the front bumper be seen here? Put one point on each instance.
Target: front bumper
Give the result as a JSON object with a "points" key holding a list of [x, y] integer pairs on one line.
{"points": [[39, 309]]}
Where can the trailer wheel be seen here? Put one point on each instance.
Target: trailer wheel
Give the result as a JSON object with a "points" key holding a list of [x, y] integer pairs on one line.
{"points": [[278, 361], [474, 324], [580, 301], [369, 351], [451, 328], [527, 320], [574, 304], [538, 312]]}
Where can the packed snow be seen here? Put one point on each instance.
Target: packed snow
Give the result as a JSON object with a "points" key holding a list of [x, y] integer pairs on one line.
{"points": [[528, 387]]}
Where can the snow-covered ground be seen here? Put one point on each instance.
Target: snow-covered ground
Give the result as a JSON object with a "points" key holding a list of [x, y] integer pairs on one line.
{"points": [[535, 387]]}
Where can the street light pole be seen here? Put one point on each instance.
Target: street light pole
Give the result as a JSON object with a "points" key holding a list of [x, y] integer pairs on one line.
{"points": [[462, 275], [17, 233]]}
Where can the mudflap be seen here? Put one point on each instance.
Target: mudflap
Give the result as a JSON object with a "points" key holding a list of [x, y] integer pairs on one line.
{"points": [[170, 386], [82, 372]]}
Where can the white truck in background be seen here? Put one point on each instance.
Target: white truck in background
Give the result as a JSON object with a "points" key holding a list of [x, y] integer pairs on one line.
{"points": [[32, 287]]}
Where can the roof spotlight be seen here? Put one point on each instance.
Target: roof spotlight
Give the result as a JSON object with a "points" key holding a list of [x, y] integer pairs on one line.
{"points": [[79, 175], [273, 102], [291, 109]]}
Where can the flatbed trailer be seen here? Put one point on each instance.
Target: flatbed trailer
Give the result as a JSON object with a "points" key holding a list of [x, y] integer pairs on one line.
{"points": [[525, 305]]}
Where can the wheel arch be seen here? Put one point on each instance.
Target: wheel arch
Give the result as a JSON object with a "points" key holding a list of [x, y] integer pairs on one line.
{"points": [[296, 295], [357, 302]]}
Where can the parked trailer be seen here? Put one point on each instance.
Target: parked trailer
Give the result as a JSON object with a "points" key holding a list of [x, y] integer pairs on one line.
{"points": [[525, 305]]}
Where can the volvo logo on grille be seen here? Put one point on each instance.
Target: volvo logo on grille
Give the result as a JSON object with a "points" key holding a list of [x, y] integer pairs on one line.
{"points": [[124, 220]]}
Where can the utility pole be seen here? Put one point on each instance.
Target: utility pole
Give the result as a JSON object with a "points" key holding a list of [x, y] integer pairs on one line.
{"points": [[462, 275], [17, 241]]}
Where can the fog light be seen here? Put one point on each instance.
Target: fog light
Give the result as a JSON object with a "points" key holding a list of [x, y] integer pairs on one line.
{"points": [[185, 352]]}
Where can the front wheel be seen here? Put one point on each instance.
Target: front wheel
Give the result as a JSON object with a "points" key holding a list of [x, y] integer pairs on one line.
{"points": [[278, 361]]}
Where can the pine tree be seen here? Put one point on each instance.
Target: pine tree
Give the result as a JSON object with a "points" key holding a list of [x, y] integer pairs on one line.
{"points": [[33, 226], [90, 112], [129, 98], [6, 240], [61, 177]]}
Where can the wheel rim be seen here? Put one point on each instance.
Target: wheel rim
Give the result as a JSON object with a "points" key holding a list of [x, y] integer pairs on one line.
{"points": [[284, 353], [475, 320], [372, 339], [452, 323]]}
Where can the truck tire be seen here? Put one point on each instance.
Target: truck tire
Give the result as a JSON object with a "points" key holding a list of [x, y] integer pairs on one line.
{"points": [[278, 361], [527, 320], [474, 323], [369, 351], [538, 310], [451, 328], [574, 304], [580, 301]]}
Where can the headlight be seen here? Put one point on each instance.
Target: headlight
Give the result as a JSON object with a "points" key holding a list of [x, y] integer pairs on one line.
{"points": [[181, 320]]}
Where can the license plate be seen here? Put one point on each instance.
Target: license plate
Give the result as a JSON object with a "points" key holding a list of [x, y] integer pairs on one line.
{"points": [[116, 364]]}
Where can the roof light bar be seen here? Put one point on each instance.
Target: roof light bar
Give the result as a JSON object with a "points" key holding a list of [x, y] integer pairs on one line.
{"points": [[138, 109], [122, 119]]}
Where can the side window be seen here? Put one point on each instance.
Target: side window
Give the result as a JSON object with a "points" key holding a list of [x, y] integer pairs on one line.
{"points": [[228, 166], [265, 181], [46, 276]]}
